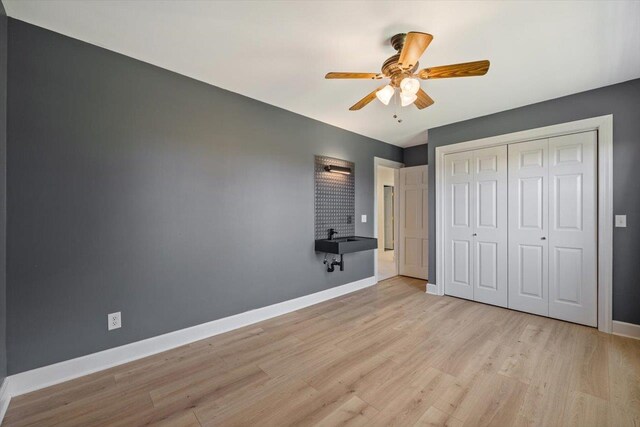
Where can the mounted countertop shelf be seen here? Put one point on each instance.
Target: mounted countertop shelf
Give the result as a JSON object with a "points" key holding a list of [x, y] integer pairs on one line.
{"points": [[346, 245]]}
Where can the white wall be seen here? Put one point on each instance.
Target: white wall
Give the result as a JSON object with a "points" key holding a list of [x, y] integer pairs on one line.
{"points": [[385, 177]]}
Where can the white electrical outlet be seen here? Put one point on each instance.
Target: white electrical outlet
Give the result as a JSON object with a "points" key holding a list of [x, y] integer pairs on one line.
{"points": [[621, 220], [114, 321], [364, 218]]}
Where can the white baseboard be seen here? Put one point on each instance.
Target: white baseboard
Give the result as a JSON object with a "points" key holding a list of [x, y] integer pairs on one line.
{"points": [[432, 289], [626, 329], [38, 378], [5, 398]]}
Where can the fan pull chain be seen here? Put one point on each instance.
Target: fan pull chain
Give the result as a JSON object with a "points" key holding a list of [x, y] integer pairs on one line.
{"points": [[396, 98]]}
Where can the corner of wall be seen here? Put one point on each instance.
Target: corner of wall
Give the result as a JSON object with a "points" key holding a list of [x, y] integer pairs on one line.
{"points": [[415, 156], [3, 193]]}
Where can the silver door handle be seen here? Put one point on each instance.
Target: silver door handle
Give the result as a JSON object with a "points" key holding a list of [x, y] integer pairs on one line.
{"points": [[474, 234], [543, 238]]}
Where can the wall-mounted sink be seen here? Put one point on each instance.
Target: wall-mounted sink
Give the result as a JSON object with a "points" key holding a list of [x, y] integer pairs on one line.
{"points": [[346, 245]]}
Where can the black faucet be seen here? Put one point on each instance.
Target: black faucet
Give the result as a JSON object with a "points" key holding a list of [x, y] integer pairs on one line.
{"points": [[332, 231]]}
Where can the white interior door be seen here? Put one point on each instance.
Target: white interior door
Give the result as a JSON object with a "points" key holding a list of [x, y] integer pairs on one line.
{"points": [[414, 230], [528, 227], [458, 224], [490, 226], [573, 228]]}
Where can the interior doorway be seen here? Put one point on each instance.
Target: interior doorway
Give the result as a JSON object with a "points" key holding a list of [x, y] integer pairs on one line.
{"points": [[386, 215]]}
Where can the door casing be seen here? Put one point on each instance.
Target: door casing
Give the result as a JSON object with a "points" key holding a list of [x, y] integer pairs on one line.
{"points": [[378, 161]]}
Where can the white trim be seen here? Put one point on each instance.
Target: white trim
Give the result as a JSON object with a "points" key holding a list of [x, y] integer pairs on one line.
{"points": [[5, 399], [432, 289], [605, 222], [626, 329], [38, 378], [604, 126], [379, 161]]}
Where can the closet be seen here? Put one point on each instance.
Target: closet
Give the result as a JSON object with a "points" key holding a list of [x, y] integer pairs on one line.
{"points": [[520, 226]]}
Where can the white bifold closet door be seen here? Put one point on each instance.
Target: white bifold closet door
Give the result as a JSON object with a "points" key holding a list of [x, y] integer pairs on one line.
{"points": [[573, 207], [476, 225], [552, 227], [529, 227]]}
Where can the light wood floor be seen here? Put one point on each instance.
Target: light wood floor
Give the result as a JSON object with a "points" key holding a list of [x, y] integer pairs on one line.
{"points": [[387, 355], [386, 264]]}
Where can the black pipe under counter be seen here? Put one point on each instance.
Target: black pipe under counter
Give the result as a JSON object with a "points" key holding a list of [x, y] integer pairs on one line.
{"points": [[346, 245]]}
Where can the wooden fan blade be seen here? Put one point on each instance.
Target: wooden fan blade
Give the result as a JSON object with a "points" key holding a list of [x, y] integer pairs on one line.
{"points": [[364, 101], [423, 100], [373, 76], [467, 69], [415, 44]]}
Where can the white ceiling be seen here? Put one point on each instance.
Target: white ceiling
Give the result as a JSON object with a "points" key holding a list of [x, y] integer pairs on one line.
{"points": [[278, 52]]}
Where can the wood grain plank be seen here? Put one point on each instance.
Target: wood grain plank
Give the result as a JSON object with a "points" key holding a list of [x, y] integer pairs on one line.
{"points": [[385, 355]]}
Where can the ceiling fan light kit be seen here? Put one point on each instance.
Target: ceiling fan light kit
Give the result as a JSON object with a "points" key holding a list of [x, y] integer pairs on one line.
{"points": [[385, 94], [402, 71], [407, 98], [410, 85]]}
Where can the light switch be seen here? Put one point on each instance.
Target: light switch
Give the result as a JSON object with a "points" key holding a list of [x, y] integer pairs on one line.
{"points": [[364, 218], [621, 220]]}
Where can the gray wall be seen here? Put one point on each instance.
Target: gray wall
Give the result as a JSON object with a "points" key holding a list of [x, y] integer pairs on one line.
{"points": [[3, 191], [416, 155], [134, 189], [621, 100]]}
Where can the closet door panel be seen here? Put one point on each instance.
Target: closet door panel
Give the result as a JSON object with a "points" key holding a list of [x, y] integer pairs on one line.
{"points": [[528, 227], [458, 224], [573, 228], [490, 227]]}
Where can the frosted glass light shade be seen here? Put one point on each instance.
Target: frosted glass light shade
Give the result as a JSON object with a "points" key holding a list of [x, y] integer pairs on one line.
{"points": [[410, 85], [407, 98], [385, 94]]}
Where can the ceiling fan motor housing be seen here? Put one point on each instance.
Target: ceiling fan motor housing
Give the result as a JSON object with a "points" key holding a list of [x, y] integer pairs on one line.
{"points": [[390, 67], [397, 41], [392, 70]]}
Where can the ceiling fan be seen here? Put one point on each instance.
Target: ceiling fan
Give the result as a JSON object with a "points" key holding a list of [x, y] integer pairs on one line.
{"points": [[402, 68]]}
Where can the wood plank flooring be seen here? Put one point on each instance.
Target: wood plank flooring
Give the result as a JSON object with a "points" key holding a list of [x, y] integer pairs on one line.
{"points": [[386, 355]]}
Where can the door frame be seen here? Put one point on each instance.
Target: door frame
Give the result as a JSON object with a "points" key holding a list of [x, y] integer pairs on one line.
{"points": [[379, 161], [604, 126]]}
